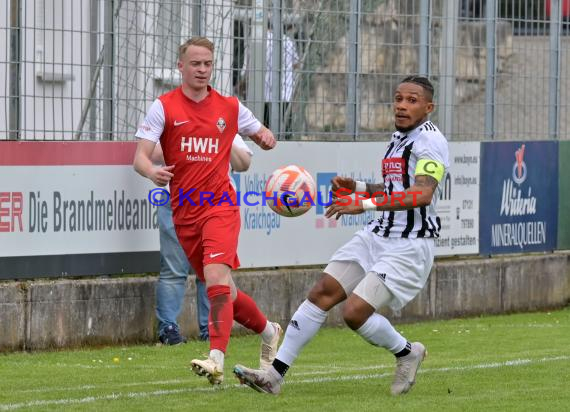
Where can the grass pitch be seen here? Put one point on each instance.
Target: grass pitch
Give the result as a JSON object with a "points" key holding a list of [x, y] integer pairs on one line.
{"points": [[501, 363]]}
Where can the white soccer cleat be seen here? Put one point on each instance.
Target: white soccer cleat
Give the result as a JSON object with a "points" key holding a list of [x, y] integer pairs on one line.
{"points": [[269, 350], [407, 368], [261, 380], [208, 368]]}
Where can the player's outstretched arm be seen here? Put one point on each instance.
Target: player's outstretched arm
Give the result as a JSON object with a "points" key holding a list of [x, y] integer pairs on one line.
{"points": [[264, 138], [348, 185], [372, 188], [427, 186], [420, 194], [144, 166]]}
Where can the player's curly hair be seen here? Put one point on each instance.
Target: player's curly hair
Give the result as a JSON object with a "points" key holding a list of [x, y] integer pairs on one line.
{"points": [[423, 82]]}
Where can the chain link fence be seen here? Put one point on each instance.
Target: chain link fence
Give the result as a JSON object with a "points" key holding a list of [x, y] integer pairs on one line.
{"points": [[311, 69]]}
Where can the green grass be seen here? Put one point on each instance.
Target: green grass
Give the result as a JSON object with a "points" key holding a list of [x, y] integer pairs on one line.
{"points": [[503, 363]]}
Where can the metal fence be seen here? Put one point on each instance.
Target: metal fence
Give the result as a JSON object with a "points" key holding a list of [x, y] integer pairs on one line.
{"points": [[311, 69]]}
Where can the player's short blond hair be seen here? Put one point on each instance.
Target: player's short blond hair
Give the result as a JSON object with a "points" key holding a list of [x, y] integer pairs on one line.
{"points": [[195, 41]]}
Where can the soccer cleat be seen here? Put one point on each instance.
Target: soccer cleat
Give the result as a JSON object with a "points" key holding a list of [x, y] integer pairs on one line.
{"points": [[407, 368], [261, 380], [269, 350], [208, 368], [171, 336]]}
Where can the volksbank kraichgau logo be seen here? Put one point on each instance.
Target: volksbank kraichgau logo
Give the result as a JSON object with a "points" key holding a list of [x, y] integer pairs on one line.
{"points": [[324, 189]]}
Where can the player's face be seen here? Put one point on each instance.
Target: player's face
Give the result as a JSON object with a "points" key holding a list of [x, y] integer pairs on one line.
{"points": [[411, 106], [196, 67]]}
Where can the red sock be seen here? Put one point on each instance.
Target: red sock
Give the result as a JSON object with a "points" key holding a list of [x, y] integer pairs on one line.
{"points": [[247, 313], [221, 316]]}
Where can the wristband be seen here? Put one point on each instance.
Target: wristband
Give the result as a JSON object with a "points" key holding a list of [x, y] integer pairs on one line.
{"points": [[368, 204], [360, 186]]}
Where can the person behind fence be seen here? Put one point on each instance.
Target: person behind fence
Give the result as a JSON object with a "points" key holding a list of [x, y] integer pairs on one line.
{"points": [[196, 126], [386, 263], [289, 63], [174, 265]]}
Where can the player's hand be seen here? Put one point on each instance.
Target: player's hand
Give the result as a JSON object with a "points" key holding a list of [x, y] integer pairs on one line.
{"points": [[264, 138], [347, 185], [339, 208], [267, 142], [160, 176]]}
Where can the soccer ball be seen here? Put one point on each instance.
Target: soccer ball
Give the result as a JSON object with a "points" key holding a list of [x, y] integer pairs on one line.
{"points": [[290, 191]]}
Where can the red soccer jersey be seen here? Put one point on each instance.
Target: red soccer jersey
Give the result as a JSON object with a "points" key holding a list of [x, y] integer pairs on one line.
{"points": [[197, 140]]}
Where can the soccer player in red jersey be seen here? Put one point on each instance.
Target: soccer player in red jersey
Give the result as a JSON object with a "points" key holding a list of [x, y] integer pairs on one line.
{"points": [[196, 127]]}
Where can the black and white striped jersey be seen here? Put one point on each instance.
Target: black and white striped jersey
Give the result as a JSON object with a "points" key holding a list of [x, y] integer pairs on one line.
{"points": [[398, 171]]}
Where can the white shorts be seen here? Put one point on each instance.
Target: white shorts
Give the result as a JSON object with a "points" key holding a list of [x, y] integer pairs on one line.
{"points": [[401, 264]]}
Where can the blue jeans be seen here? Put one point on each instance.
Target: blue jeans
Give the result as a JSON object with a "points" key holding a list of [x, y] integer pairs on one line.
{"points": [[174, 269]]}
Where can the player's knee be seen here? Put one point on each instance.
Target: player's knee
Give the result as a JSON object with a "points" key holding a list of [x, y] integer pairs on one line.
{"points": [[319, 299], [352, 316], [325, 296], [217, 274]]}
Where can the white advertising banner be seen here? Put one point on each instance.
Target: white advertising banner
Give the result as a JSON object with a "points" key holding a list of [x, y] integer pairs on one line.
{"points": [[458, 207], [86, 208], [65, 210], [269, 240]]}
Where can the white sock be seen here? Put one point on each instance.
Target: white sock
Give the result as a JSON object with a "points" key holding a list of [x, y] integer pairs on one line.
{"points": [[268, 333], [378, 331], [304, 325], [218, 356]]}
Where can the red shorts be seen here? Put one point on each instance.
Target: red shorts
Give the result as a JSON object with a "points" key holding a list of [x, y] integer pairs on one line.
{"points": [[213, 239]]}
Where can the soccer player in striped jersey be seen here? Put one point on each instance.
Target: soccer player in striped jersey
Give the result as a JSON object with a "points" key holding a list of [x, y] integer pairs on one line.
{"points": [[195, 126], [386, 263]]}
